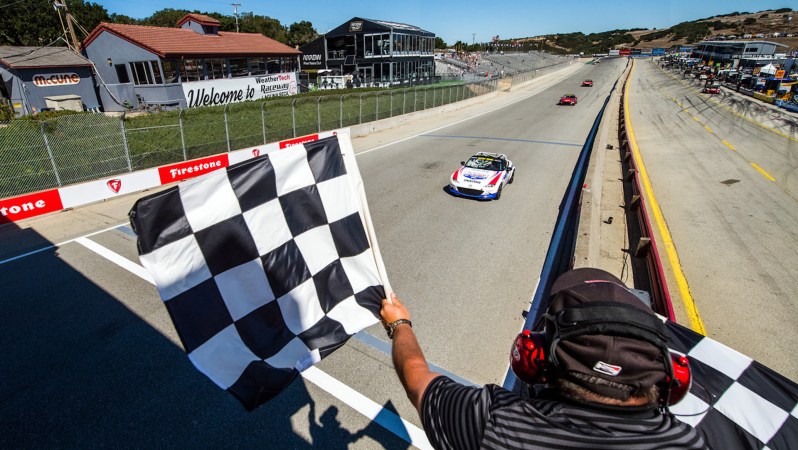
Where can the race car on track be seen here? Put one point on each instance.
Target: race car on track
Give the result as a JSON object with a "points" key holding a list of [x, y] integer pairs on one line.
{"points": [[483, 176], [567, 99], [587, 83], [711, 89]]}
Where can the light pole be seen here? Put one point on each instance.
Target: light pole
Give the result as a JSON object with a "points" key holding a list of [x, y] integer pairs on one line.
{"points": [[235, 13]]}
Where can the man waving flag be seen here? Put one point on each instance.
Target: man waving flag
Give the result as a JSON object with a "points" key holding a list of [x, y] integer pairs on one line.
{"points": [[267, 266]]}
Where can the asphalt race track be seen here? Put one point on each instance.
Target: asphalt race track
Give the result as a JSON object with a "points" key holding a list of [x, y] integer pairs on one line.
{"points": [[724, 171], [90, 358]]}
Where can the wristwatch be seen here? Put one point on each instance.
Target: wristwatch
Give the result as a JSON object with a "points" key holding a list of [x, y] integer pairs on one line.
{"points": [[392, 326]]}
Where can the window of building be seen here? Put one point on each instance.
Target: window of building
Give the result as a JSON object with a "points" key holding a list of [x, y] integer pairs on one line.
{"points": [[215, 69], [238, 68], [368, 45], [170, 71], [257, 66], [191, 70], [274, 66], [156, 71], [141, 72], [121, 73]]}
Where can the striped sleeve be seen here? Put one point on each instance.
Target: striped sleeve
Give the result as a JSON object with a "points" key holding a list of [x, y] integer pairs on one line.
{"points": [[453, 415]]}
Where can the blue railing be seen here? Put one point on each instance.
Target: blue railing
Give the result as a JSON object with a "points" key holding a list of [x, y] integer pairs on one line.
{"points": [[560, 255]]}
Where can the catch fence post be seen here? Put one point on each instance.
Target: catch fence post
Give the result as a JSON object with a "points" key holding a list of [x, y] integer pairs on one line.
{"points": [[341, 112], [263, 120], [124, 144], [50, 151], [293, 116], [318, 113], [182, 135], [226, 128]]}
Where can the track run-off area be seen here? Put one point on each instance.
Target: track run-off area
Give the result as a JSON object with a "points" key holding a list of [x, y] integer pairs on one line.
{"points": [[91, 359]]}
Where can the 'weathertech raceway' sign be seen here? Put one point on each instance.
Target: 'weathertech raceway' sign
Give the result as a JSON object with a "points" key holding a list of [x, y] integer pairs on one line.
{"points": [[233, 90]]}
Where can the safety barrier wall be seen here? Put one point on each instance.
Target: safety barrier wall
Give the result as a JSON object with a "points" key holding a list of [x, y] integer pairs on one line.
{"points": [[52, 200], [645, 263], [38, 155]]}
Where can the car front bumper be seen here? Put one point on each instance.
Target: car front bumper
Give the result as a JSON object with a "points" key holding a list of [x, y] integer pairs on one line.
{"points": [[482, 194]]}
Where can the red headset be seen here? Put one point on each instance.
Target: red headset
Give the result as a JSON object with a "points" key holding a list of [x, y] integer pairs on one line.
{"points": [[531, 361]]}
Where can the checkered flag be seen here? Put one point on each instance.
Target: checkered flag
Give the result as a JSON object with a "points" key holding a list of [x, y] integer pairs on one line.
{"points": [[265, 267], [736, 402]]}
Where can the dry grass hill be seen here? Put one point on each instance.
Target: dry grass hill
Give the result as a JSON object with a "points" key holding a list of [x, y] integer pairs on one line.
{"points": [[771, 25]]}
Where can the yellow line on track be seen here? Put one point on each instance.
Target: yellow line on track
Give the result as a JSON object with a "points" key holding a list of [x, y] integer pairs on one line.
{"points": [[708, 129], [670, 249], [767, 175], [726, 143], [696, 119]]}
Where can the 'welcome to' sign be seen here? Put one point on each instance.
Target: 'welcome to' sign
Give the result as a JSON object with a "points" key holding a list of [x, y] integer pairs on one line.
{"points": [[233, 90]]}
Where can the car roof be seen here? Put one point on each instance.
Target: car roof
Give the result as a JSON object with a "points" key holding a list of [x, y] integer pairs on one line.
{"points": [[490, 155]]}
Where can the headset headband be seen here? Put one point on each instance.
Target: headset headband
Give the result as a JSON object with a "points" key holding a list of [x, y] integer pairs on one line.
{"points": [[609, 318]]}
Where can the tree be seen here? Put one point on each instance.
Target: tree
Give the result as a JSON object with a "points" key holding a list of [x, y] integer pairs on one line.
{"points": [[250, 23], [123, 19], [35, 22], [300, 33], [439, 43], [165, 18]]}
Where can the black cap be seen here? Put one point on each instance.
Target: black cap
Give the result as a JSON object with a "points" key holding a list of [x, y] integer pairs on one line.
{"points": [[597, 327]]}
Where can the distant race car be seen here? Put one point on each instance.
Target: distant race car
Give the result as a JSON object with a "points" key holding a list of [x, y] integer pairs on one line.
{"points": [[567, 99], [711, 89], [588, 83], [483, 176]]}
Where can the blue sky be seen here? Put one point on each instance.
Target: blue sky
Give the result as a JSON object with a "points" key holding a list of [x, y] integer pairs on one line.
{"points": [[468, 20]]}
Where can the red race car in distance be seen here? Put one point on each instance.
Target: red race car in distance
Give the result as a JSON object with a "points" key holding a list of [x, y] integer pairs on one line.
{"points": [[587, 83], [567, 99], [711, 89]]}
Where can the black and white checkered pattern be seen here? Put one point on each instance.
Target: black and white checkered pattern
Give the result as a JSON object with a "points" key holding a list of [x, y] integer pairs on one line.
{"points": [[265, 267], [736, 402]]}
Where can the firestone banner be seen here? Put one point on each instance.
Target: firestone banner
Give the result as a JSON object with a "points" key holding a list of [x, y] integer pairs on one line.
{"points": [[233, 90]]}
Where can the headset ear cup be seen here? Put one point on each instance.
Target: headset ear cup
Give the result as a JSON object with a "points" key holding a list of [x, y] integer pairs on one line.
{"points": [[528, 357], [682, 378]]}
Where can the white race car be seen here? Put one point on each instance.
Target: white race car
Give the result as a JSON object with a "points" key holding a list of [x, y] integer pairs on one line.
{"points": [[483, 176]]}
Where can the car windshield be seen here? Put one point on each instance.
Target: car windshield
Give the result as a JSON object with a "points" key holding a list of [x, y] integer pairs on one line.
{"points": [[569, 96], [485, 163]]}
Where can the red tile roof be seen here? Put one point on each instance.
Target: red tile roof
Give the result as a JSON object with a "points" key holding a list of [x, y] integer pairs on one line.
{"points": [[201, 19], [177, 42]]}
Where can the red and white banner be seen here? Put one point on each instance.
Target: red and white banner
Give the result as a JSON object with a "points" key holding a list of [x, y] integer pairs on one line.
{"points": [[25, 206], [14, 209]]}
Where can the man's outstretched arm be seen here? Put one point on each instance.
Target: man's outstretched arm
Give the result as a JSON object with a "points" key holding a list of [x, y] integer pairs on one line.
{"points": [[408, 359]]}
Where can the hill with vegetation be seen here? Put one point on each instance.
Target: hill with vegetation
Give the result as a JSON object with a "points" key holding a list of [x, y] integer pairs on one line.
{"points": [[773, 25]]}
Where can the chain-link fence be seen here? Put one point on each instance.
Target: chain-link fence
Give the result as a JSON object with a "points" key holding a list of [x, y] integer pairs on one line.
{"points": [[38, 155]]}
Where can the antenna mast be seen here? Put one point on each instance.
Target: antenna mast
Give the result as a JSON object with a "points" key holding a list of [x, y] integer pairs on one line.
{"points": [[61, 4]]}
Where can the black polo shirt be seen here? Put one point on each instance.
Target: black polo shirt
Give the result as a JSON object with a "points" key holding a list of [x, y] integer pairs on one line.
{"points": [[460, 417]]}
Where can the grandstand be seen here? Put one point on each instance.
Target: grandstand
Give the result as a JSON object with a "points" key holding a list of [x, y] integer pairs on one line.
{"points": [[475, 66]]}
